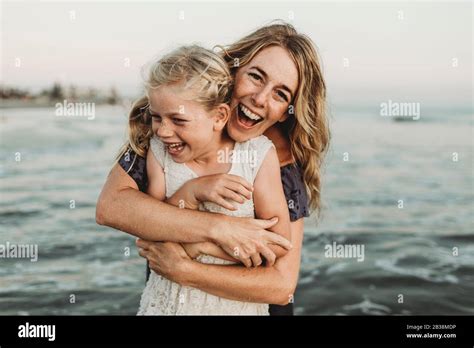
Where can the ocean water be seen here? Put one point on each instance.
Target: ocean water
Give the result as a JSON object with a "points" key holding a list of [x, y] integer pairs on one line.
{"points": [[52, 169]]}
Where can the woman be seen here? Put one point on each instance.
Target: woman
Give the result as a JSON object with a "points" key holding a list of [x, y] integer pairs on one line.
{"points": [[278, 76]]}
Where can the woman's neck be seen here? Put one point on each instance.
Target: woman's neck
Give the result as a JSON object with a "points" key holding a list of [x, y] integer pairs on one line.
{"points": [[282, 144]]}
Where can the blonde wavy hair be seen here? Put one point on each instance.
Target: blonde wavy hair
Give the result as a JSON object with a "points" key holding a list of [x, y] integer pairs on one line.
{"points": [[307, 127], [308, 131], [194, 67]]}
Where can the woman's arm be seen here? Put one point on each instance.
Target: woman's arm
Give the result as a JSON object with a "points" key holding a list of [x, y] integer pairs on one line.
{"points": [[122, 206], [275, 285]]}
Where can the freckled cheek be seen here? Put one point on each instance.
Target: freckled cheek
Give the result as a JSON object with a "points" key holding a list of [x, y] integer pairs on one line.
{"points": [[276, 112], [190, 136], [242, 88]]}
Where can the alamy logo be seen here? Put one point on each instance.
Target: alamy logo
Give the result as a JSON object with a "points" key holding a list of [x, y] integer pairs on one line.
{"points": [[396, 109], [75, 109], [19, 251], [37, 331], [237, 156], [355, 251]]}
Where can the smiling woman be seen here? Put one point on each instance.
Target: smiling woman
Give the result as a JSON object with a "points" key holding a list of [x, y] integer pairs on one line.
{"points": [[278, 91], [263, 92], [279, 68]]}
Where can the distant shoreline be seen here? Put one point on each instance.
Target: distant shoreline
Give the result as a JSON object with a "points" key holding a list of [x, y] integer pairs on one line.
{"points": [[21, 104]]}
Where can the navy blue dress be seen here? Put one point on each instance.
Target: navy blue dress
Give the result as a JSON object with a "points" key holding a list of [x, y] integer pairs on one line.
{"points": [[293, 186]]}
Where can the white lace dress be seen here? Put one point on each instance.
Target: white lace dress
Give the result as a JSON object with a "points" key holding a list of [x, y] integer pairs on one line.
{"points": [[164, 297]]}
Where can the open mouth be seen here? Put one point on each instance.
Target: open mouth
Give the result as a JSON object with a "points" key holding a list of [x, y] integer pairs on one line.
{"points": [[247, 118], [175, 149]]}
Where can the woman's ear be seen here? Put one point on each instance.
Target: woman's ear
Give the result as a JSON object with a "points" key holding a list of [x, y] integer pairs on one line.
{"points": [[284, 117], [221, 116], [287, 114]]}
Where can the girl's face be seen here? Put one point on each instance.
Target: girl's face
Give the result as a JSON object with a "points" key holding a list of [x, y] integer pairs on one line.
{"points": [[264, 89], [186, 128]]}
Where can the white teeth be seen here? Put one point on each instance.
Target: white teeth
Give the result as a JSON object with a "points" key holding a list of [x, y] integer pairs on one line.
{"points": [[172, 146], [249, 113]]}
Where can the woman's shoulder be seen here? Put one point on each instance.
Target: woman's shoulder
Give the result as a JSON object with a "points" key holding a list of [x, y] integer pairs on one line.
{"points": [[292, 179], [135, 166]]}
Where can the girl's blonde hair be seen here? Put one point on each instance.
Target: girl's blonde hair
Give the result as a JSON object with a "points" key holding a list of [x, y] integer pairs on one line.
{"points": [[308, 130], [196, 68]]}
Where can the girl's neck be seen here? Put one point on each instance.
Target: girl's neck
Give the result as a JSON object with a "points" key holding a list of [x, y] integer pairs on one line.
{"points": [[213, 161]]}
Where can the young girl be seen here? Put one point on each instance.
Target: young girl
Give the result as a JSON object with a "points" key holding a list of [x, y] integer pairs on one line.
{"points": [[188, 93]]}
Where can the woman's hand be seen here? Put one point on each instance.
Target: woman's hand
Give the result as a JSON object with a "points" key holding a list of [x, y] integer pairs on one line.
{"points": [[247, 239], [221, 189], [165, 258], [244, 239]]}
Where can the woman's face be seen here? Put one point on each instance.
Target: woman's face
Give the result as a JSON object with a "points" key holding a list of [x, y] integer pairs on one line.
{"points": [[264, 89]]}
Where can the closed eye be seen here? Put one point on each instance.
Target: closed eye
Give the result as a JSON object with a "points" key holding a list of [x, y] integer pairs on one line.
{"points": [[179, 121]]}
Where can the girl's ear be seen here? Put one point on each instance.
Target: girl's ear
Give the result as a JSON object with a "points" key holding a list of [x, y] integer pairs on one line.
{"points": [[221, 116]]}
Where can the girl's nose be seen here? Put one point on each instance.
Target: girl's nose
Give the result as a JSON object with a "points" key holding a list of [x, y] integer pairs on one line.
{"points": [[164, 131]]}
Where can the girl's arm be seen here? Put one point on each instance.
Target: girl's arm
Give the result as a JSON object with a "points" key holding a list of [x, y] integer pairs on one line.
{"points": [[220, 189], [122, 206], [156, 177], [217, 188], [269, 198], [274, 285]]}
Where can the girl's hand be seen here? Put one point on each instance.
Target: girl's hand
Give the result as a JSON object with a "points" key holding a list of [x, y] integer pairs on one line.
{"points": [[218, 188], [222, 188]]}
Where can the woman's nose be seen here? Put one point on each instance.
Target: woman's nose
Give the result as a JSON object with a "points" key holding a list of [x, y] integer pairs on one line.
{"points": [[259, 98]]}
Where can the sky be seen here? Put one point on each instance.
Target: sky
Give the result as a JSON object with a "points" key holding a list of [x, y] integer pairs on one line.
{"points": [[407, 51]]}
